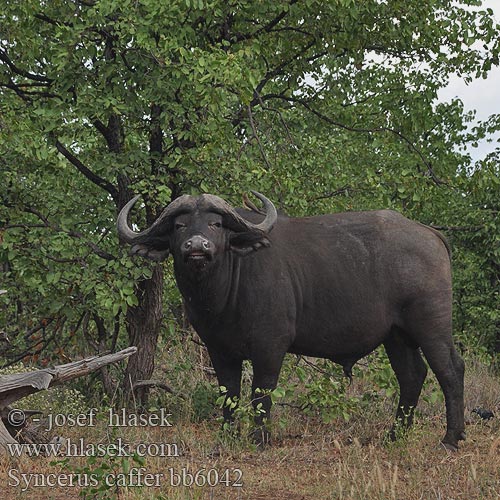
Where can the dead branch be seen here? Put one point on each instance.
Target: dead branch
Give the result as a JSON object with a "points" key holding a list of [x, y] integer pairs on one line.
{"points": [[153, 383], [17, 386]]}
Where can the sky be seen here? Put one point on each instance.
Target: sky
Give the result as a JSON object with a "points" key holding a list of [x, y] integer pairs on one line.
{"points": [[481, 95]]}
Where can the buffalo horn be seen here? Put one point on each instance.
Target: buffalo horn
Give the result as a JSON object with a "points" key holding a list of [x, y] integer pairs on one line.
{"points": [[184, 203], [130, 236], [124, 230], [239, 223], [271, 215]]}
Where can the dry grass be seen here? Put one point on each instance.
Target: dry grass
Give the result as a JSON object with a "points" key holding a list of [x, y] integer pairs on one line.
{"points": [[312, 460]]}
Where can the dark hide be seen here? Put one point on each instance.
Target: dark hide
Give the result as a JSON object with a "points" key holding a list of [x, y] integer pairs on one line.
{"points": [[333, 286]]}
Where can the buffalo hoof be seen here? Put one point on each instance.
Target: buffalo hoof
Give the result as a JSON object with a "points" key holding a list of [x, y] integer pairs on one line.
{"points": [[450, 441], [398, 432], [231, 429], [261, 437], [449, 446], [215, 452]]}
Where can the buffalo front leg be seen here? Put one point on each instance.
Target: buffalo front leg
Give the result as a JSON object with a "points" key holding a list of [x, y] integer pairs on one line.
{"points": [[266, 370], [228, 371]]}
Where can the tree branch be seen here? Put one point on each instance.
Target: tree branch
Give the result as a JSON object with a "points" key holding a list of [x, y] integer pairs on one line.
{"points": [[98, 251], [74, 234], [155, 139], [49, 20], [280, 68], [255, 134], [457, 228], [91, 176], [17, 90], [267, 28], [112, 132], [153, 383], [329, 120], [18, 71], [332, 194]]}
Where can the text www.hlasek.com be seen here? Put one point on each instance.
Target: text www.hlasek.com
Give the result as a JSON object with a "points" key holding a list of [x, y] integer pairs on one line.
{"points": [[79, 448]]}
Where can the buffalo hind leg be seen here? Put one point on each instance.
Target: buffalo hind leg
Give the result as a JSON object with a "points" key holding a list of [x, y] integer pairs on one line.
{"points": [[429, 323], [410, 371], [449, 369]]}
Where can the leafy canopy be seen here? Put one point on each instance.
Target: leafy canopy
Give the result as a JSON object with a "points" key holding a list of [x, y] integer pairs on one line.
{"points": [[320, 105]]}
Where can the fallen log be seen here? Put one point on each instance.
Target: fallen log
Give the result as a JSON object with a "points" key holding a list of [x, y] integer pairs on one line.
{"points": [[19, 385]]}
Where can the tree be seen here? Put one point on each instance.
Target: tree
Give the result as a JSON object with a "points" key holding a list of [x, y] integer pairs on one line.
{"points": [[322, 105]]}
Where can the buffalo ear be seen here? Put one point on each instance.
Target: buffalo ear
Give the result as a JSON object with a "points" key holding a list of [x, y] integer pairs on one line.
{"points": [[247, 242], [150, 252]]}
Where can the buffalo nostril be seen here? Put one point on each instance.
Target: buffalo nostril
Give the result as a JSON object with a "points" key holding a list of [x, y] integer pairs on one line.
{"points": [[188, 244], [206, 245]]}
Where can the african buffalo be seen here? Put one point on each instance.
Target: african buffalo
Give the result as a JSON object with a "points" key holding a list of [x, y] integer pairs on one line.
{"points": [[257, 286]]}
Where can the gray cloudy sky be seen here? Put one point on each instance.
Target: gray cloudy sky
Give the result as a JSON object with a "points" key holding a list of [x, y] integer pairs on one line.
{"points": [[481, 95]]}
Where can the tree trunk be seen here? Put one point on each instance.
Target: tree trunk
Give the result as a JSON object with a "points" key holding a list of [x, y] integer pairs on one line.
{"points": [[143, 326]]}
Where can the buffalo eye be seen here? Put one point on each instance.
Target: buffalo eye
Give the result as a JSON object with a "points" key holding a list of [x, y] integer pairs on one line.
{"points": [[179, 226], [215, 225]]}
